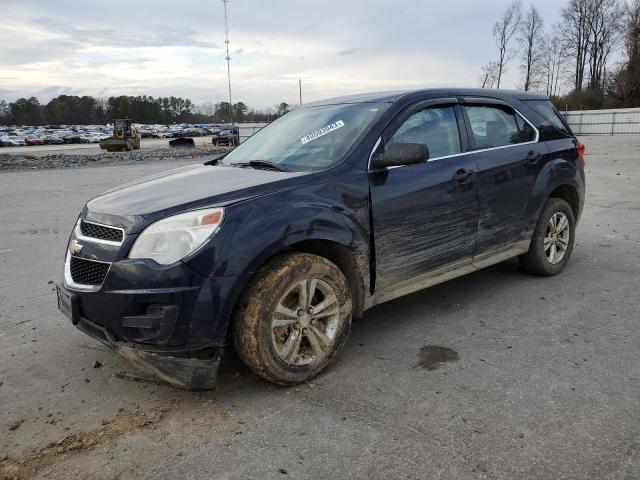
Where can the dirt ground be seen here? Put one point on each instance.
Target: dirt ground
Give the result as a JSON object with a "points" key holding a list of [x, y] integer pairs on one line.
{"points": [[498, 374], [56, 156], [147, 144]]}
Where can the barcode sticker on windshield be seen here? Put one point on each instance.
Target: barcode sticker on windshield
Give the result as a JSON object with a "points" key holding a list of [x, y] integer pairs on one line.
{"points": [[323, 131]]}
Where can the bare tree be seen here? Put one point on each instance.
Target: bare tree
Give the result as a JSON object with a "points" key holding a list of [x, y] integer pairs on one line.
{"points": [[576, 38], [207, 108], [102, 104], [632, 39], [503, 30], [632, 46], [624, 85], [530, 37], [489, 75], [5, 112], [592, 29], [555, 65], [604, 25]]}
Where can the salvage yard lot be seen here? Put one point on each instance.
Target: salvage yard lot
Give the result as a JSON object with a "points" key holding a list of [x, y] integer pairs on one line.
{"points": [[546, 383]]}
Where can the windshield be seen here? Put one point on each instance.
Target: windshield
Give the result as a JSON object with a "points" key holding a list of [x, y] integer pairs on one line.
{"points": [[309, 138]]}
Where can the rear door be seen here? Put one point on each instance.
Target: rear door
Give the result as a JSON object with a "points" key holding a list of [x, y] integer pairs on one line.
{"points": [[509, 158], [425, 215], [558, 136]]}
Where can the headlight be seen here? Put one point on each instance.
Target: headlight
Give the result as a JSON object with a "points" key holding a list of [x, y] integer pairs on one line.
{"points": [[171, 239]]}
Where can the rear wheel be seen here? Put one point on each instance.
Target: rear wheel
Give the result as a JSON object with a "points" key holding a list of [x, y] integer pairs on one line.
{"points": [[293, 319], [552, 241]]}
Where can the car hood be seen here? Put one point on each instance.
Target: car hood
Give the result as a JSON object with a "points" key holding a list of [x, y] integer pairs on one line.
{"points": [[134, 205]]}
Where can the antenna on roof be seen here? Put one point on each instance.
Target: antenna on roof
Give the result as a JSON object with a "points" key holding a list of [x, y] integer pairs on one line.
{"points": [[226, 41]]}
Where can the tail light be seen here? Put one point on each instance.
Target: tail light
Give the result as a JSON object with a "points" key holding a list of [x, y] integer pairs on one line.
{"points": [[580, 148]]}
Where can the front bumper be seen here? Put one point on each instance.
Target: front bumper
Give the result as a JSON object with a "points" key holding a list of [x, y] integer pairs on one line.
{"points": [[170, 320], [189, 369], [143, 302]]}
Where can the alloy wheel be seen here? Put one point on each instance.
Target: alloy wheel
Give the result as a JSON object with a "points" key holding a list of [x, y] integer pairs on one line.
{"points": [[305, 322], [556, 238]]}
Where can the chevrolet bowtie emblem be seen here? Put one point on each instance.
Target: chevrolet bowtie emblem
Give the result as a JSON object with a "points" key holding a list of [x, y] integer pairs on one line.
{"points": [[74, 246]]}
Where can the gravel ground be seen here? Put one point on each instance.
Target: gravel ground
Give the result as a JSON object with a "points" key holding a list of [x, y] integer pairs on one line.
{"points": [[16, 162], [89, 148], [541, 377]]}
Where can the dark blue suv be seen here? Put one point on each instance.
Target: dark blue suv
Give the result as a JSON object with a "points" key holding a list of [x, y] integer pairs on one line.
{"points": [[335, 207]]}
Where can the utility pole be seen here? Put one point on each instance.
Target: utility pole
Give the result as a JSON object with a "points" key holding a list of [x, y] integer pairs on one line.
{"points": [[300, 88], [226, 41]]}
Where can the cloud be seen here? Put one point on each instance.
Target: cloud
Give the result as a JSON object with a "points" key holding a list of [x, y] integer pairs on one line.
{"points": [[349, 51], [159, 47], [83, 37], [55, 90]]}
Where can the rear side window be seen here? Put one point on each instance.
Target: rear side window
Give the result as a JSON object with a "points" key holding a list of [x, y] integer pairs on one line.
{"points": [[494, 126], [435, 127], [549, 112]]}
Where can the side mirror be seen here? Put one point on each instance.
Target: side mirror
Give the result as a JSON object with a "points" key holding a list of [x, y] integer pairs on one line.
{"points": [[397, 154]]}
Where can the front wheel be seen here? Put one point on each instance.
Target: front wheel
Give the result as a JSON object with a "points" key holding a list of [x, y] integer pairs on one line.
{"points": [[552, 241], [293, 319]]}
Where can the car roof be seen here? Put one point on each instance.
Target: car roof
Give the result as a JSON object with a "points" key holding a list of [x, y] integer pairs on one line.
{"points": [[394, 96]]}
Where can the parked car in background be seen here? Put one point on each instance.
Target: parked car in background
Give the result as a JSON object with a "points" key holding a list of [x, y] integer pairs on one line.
{"points": [[145, 131], [51, 139], [72, 134], [227, 135], [33, 140], [333, 208], [13, 140]]}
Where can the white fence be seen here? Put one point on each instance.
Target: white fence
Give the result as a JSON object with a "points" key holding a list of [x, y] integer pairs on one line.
{"points": [[247, 129], [624, 121]]}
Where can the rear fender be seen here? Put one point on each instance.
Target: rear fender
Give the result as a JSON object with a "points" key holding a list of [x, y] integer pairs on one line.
{"points": [[555, 173]]}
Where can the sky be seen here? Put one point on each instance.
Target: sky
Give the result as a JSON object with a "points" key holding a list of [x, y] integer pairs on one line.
{"points": [[162, 48]]}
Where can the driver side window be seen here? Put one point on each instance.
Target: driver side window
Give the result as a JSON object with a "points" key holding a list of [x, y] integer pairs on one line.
{"points": [[435, 127]]}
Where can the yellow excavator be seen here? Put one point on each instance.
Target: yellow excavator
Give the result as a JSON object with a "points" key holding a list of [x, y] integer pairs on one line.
{"points": [[125, 137]]}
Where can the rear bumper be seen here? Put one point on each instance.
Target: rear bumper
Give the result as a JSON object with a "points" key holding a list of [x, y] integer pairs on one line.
{"points": [[581, 194], [185, 369]]}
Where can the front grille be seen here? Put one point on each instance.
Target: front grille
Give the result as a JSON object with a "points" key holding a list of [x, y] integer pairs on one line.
{"points": [[101, 232], [88, 272]]}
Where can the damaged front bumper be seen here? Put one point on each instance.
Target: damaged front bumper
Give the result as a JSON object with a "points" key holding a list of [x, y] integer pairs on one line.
{"points": [[189, 369], [185, 369]]}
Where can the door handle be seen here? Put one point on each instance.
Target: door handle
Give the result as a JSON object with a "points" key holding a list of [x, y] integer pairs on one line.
{"points": [[534, 157], [462, 175]]}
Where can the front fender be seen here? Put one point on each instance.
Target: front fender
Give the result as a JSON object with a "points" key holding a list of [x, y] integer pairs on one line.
{"points": [[314, 223], [256, 230]]}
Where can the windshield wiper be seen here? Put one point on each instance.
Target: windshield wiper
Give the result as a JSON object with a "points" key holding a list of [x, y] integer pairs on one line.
{"points": [[261, 164]]}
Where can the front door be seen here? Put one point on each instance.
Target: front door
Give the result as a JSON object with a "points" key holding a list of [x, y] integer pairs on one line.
{"points": [[425, 215]]}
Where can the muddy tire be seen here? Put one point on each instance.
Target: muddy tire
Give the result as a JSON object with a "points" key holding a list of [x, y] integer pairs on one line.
{"points": [[293, 318], [552, 241]]}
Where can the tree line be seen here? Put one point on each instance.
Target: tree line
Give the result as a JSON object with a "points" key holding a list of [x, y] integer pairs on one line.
{"points": [[86, 110], [589, 58]]}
